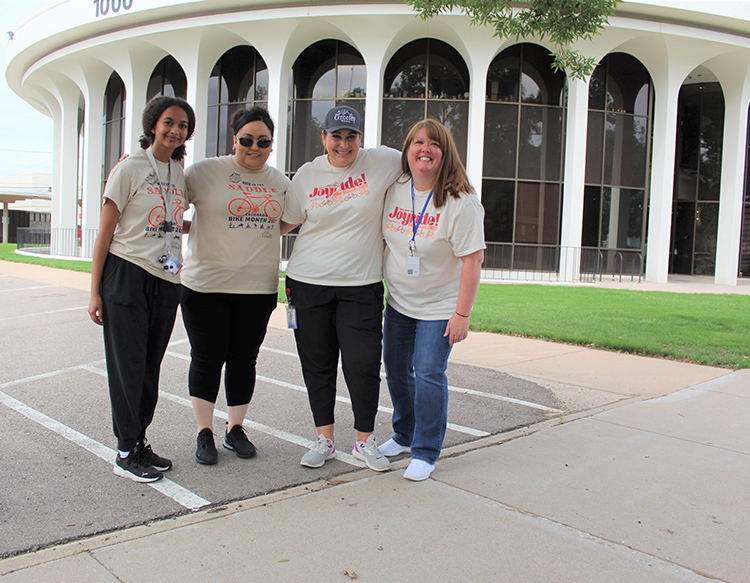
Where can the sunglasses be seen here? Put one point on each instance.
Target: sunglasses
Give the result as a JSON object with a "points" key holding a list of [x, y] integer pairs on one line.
{"points": [[248, 142]]}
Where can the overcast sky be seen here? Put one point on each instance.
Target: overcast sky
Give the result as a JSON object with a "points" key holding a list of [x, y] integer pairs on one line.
{"points": [[25, 134]]}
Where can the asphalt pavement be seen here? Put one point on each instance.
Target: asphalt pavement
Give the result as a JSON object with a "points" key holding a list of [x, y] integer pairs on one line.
{"points": [[640, 477]]}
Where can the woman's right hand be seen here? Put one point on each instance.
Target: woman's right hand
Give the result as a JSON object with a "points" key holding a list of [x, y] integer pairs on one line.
{"points": [[95, 309]]}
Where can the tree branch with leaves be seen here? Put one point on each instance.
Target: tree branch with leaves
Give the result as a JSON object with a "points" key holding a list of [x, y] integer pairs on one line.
{"points": [[561, 21]]}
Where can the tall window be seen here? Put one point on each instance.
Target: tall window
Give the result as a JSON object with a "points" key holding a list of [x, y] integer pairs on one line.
{"points": [[695, 209], [618, 154], [238, 80], [327, 74], [522, 172], [426, 78], [167, 79], [113, 125]]}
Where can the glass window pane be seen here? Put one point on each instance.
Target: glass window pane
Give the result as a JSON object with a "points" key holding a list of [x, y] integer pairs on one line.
{"points": [[448, 75], [592, 200], [500, 140], [498, 201], [261, 80], [155, 84], [212, 120], [398, 116], [316, 62], [540, 145], [406, 73], [626, 79], [626, 150], [309, 117], [528, 213], [594, 147], [540, 83], [174, 78], [503, 77], [630, 226], [706, 229], [352, 73], [711, 138], [597, 86], [454, 116], [551, 215]]}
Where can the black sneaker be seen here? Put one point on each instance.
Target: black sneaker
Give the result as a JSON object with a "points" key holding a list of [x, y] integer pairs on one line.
{"points": [[205, 453], [161, 464], [136, 468], [237, 441]]}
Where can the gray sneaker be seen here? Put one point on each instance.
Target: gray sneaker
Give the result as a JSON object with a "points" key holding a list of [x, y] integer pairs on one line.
{"points": [[368, 452], [321, 451]]}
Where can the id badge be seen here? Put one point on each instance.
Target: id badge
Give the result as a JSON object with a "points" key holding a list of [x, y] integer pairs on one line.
{"points": [[412, 266], [291, 317]]}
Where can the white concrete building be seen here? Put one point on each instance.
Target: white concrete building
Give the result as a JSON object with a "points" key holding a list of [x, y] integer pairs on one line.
{"points": [[643, 165]]}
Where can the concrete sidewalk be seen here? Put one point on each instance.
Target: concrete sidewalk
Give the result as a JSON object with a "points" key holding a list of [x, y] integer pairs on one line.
{"points": [[648, 485]]}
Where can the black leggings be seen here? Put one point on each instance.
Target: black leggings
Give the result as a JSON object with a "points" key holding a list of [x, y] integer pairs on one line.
{"points": [[224, 329], [348, 320]]}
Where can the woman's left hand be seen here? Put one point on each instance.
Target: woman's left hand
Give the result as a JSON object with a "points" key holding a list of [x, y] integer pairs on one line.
{"points": [[457, 329]]}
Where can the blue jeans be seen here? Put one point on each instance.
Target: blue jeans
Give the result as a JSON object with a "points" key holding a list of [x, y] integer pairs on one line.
{"points": [[415, 354]]}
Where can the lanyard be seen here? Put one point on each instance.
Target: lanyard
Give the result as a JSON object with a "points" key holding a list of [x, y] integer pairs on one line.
{"points": [[415, 227], [167, 198]]}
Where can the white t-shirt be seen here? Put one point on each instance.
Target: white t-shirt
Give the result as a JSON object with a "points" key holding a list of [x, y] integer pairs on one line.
{"points": [[234, 240], [444, 236], [139, 195], [340, 241]]}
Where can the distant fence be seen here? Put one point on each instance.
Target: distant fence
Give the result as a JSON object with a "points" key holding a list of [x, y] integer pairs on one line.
{"points": [[73, 243], [556, 263], [503, 261], [32, 237]]}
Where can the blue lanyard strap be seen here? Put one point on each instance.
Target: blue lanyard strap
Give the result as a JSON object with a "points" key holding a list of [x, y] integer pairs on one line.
{"points": [[415, 227]]}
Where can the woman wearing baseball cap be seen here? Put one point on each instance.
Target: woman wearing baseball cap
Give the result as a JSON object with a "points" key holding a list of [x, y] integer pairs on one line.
{"points": [[334, 279]]}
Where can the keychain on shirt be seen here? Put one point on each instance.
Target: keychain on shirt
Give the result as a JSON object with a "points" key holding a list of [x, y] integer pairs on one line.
{"points": [[412, 259]]}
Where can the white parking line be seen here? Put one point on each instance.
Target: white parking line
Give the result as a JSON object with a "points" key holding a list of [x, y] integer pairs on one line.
{"points": [[483, 394], [181, 495], [44, 313], [26, 288]]}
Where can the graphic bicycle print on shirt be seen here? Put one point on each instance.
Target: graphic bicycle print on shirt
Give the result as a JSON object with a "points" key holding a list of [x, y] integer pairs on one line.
{"points": [[252, 203]]}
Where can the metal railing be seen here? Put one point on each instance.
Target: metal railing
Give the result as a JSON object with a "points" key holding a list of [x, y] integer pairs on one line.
{"points": [[57, 242], [32, 237], [503, 261], [557, 263]]}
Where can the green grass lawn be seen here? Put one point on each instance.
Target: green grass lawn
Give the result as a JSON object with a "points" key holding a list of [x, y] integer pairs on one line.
{"points": [[710, 329], [7, 253]]}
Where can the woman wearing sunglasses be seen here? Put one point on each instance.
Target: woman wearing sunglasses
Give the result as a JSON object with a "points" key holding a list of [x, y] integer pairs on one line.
{"points": [[231, 276]]}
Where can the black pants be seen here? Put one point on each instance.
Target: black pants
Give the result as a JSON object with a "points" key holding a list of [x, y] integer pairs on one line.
{"points": [[139, 311], [346, 320], [225, 329]]}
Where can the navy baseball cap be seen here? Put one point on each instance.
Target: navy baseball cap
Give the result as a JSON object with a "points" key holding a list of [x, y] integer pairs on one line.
{"points": [[343, 118]]}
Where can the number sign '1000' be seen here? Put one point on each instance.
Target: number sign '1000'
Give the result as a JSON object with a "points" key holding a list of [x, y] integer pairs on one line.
{"points": [[103, 7]]}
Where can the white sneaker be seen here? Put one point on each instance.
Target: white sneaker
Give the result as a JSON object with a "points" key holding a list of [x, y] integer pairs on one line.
{"points": [[368, 452], [418, 470], [321, 451], [391, 448]]}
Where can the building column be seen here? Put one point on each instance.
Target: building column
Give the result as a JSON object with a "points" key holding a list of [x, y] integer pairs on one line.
{"points": [[662, 178], [576, 130], [64, 241], [736, 86], [476, 123], [92, 160]]}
